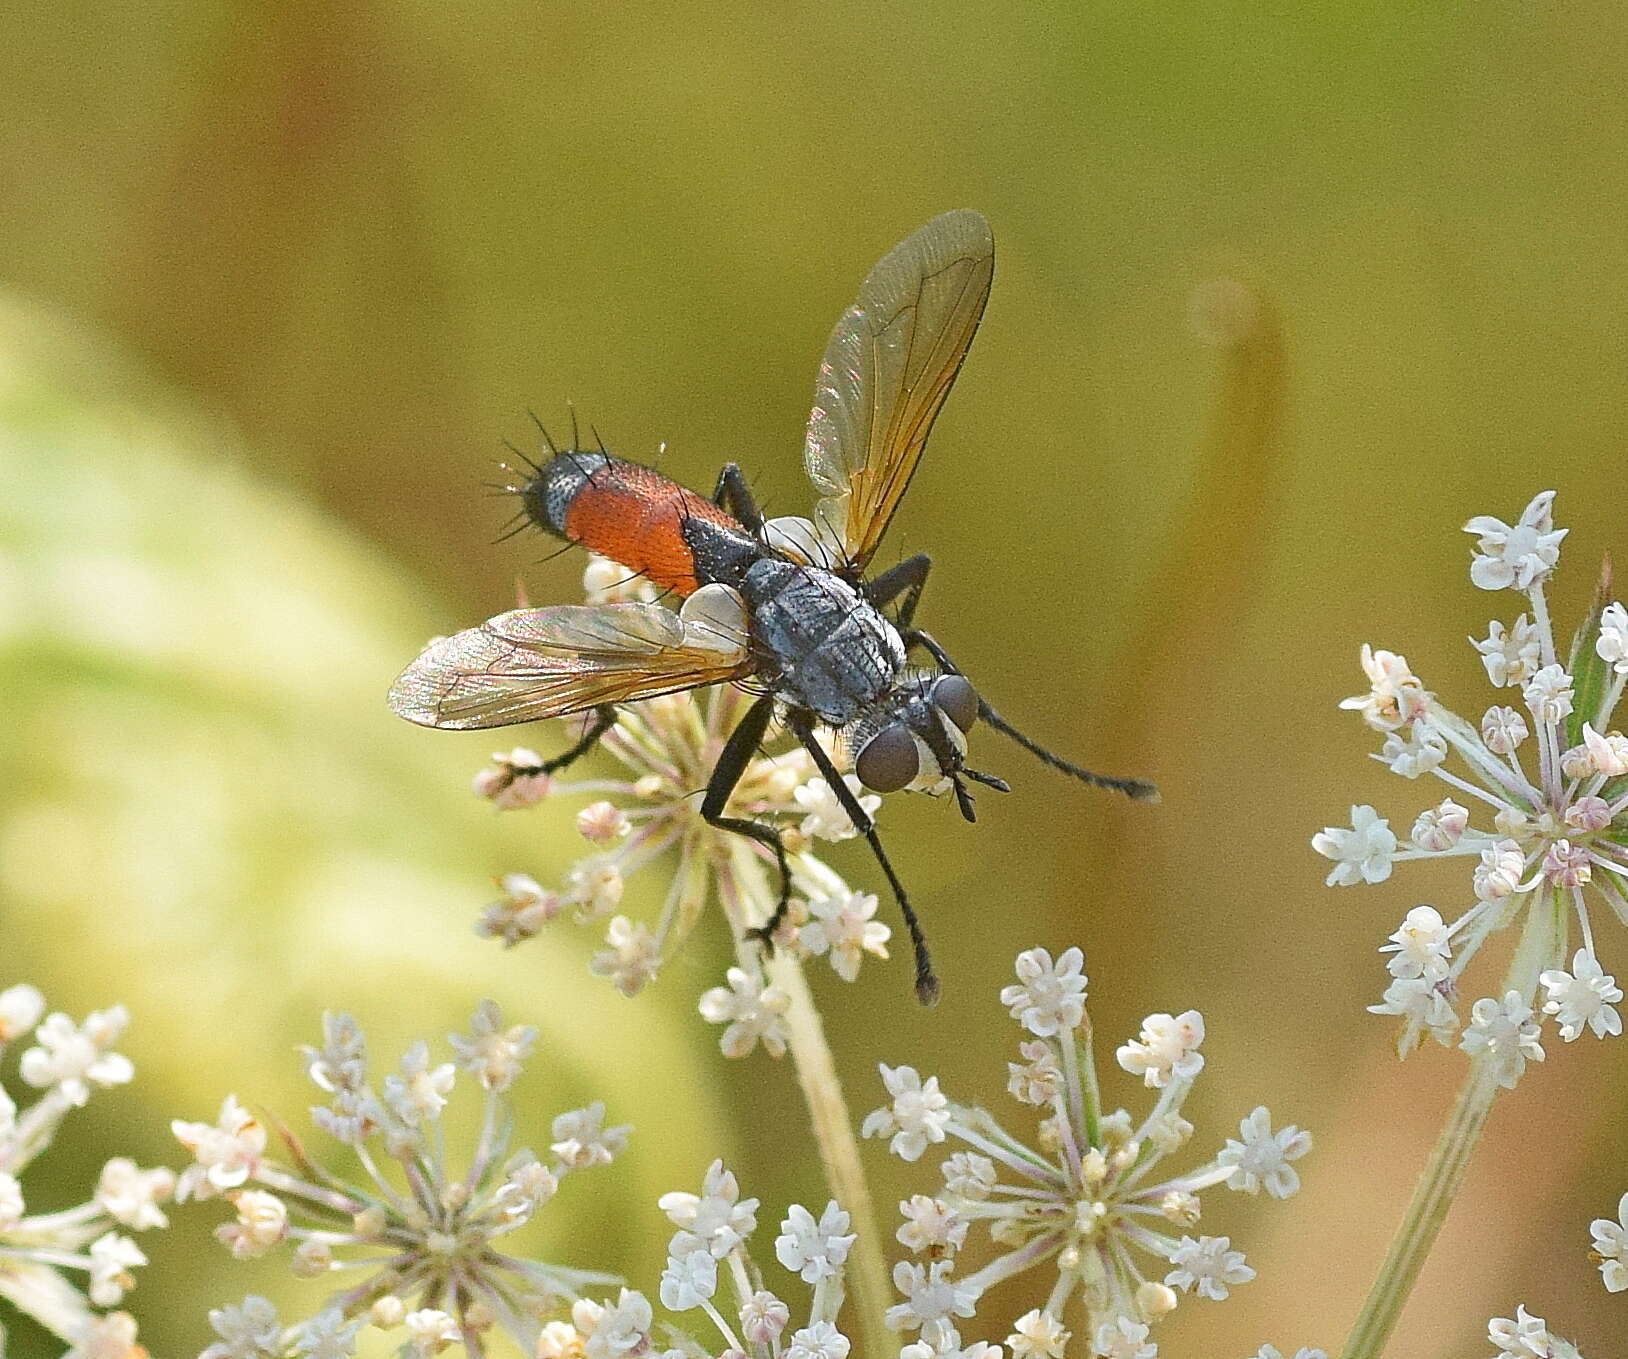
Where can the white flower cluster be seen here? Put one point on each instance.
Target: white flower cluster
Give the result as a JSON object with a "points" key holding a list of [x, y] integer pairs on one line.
{"points": [[1525, 1336], [1611, 1247], [710, 1270], [1550, 775], [418, 1242], [1085, 1198], [669, 747], [41, 1252]]}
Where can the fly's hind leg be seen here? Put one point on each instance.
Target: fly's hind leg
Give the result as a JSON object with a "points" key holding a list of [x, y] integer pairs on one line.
{"points": [[736, 755], [733, 494]]}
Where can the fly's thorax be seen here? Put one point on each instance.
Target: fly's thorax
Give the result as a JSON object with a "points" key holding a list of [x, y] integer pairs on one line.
{"points": [[834, 652]]}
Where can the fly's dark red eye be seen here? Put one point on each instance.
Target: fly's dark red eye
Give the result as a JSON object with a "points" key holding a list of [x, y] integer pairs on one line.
{"points": [[958, 700], [888, 761]]}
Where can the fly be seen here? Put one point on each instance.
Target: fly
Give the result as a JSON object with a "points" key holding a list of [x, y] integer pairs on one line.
{"points": [[780, 606]]}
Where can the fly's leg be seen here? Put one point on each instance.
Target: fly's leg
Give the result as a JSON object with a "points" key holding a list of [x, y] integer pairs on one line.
{"points": [[1137, 789], [908, 578], [803, 727], [733, 494], [732, 761], [604, 719]]}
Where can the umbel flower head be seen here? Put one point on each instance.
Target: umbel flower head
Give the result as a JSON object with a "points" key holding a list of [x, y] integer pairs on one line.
{"points": [[1536, 807], [1087, 1198], [415, 1236], [56, 1267], [1525, 1336], [668, 747], [714, 1281]]}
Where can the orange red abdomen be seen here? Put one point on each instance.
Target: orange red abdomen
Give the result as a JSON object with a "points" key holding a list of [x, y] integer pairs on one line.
{"points": [[627, 512]]}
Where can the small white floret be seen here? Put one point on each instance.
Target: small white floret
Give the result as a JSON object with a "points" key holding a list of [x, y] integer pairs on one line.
{"points": [[1361, 854]]}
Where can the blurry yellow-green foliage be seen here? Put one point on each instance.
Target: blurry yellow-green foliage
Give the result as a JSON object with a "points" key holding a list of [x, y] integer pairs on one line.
{"points": [[364, 237]]}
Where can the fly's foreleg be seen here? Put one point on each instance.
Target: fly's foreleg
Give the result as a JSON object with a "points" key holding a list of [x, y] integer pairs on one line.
{"points": [[733, 494], [732, 761], [908, 579], [926, 981]]}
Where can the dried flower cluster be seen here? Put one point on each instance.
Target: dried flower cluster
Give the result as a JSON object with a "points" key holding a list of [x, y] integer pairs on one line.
{"points": [[418, 1235], [1550, 776], [1085, 1198], [43, 1255]]}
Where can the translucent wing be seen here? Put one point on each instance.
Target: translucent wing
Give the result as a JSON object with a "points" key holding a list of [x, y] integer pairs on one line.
{"points": [[536, 663], [886, 372]]}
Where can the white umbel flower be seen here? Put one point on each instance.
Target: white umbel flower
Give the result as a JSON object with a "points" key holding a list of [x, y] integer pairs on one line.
{"points": [[1582, 998], [1088, 1199], [1166, 1049], [1037, 1335], [1506, 1033], [1361, 854], [1528, 1337], [710, 1269], [1260, 1159], [1048, 996], [1611, 1247], [1519, 555], [752, 1012], [1512, 656], [247, 1330], [842, 927], [825, 817], [647, 814], [1543, 780], [717, 1219], [56, 1266], [1611, 646], [413, 1255], [1123, 1338], [814, 1249], [917, 1116], [1421, 946], [75, 1057], [1208, 1266]]}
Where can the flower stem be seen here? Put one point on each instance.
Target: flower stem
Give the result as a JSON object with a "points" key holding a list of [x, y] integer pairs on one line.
{"points": [[1444, 1173], [1434, 1196], [839, 1151]]}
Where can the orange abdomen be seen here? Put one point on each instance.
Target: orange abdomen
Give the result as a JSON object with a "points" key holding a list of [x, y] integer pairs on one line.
{"points": [[625, 511]]}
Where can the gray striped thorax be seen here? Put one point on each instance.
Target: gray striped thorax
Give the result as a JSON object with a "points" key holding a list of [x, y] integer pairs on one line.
{"points": [[838, 656]]}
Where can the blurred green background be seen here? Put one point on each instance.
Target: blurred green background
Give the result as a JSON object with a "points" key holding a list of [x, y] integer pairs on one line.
{"points": [[1285, 293]]}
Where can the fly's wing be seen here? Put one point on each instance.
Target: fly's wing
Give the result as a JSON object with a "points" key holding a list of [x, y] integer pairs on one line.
{"points": [[536, 663], [886, 372]]}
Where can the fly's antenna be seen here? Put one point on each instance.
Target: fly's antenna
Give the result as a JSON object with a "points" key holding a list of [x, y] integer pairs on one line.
{"points": [[1138, 790]]}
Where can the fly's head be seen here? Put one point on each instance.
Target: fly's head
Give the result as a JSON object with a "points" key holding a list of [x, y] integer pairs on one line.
{"points": [[917, 739]]}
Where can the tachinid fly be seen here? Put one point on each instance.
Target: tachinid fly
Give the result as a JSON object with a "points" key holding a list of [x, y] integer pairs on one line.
{"points": [[780, 605]]}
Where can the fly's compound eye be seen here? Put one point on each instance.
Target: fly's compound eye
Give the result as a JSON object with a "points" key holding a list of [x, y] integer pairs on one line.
{"points": [[888, 761], [958, 700]]}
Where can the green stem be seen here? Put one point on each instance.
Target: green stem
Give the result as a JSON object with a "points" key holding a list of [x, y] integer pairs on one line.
{"points": [[839, 1151], [1437, 1188], [1444, 1173]]}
